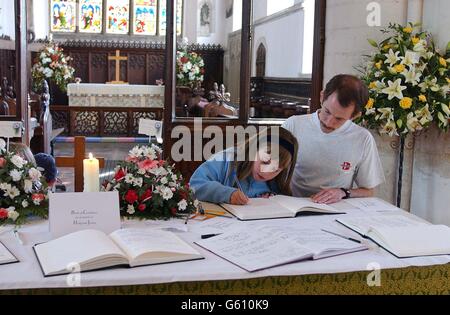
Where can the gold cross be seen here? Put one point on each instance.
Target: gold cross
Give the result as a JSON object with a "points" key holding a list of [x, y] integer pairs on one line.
{"points": [[118, 58]]}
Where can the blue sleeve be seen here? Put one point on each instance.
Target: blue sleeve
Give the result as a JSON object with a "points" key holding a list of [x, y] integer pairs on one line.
{"points": [[209, 182]]}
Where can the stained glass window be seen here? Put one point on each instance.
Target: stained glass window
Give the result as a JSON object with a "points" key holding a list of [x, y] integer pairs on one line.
{"points": [[113, 16], [63, 15], [90, 16], [145, 13], [117, 16]]}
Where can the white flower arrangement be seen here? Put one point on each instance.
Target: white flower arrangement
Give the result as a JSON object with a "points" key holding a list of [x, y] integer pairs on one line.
{"points": [[409, 83], [190, 69], [23, 190], [52, 65]]}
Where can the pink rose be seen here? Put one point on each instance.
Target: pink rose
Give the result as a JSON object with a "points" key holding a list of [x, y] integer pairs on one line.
{"points": [[37, 198], [148, 164], [2, 162]]}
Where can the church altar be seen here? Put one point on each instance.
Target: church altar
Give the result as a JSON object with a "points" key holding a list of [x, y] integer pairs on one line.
{"points": [[344, 274], [115, 95]]}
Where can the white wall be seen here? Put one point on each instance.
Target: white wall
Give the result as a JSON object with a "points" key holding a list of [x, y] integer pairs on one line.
{"points": [[283, 38], [436, 20], [308, 36], [41, 18], [7, 26], [218, 36], [259, 9], [347, 32], [431, 179], [190, 20]]}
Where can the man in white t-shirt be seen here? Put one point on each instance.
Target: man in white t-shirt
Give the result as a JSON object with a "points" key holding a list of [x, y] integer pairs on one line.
{"points": [[337, 159]]}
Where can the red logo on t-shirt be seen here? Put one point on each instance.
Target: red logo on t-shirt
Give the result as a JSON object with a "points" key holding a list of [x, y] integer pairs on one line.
{"points": [[346, 166]]}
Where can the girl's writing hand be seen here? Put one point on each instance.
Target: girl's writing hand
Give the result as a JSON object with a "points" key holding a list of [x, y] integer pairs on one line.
{"points": [[239, 198]]}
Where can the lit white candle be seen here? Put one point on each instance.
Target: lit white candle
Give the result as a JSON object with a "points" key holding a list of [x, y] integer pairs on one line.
{"points": [[91, 174]]}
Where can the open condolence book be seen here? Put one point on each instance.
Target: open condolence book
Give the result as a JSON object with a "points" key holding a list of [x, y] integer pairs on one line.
{"points": [[278, 206], [268, 246], [401, 235], [93, 249], [6, 257]]}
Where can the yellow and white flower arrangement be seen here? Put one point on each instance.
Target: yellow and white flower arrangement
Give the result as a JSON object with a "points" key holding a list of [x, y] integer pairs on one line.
{"points": [[409, 83]]}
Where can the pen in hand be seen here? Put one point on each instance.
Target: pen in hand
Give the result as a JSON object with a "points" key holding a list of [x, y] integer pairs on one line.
{"points": [[239, 197]]}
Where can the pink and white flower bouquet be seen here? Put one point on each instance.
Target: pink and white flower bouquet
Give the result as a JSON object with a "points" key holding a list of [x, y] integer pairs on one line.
{"points": [[149, 187], [23, 189]]}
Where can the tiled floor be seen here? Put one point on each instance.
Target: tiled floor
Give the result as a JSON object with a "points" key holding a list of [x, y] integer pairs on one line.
{"points": [[111, 152]]}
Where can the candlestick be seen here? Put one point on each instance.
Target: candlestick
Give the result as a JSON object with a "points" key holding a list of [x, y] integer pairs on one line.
{"points": [[91, 174]]}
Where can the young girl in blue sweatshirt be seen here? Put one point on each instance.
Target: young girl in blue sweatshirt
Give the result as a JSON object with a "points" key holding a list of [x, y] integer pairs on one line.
{"points": [[265, 169]]}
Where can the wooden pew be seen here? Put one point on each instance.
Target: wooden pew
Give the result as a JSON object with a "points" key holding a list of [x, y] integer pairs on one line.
{"points": [[7, 102]]}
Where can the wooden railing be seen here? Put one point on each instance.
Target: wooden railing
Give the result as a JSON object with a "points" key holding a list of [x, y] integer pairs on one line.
{"points": [[101, 121]]}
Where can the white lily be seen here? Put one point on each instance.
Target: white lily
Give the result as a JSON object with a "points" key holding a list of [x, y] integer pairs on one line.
{"points": [[445, 89], [389, 128], [412, 76], [424, 113], [392, 58], [413, 123], [444, 122], [445, 109], [411, 58], [420, 47], [370, 111], [386, 113], [429, 84], [394, 89]]}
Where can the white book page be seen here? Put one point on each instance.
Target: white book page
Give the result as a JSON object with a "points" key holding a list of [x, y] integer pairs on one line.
{"points": [[255, 249], [216, 226], [259, 208], [5, 255], [79, 247], [137, 242], [294, 204], [364, 224], [415, 240], [371, 204], [315, 239]]}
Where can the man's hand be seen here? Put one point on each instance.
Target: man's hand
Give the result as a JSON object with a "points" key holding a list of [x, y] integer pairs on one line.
{"points": [[328, 196], [239, 198]]}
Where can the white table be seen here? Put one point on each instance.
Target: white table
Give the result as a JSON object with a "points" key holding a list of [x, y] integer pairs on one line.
{"points": [[27, 273], [115, 95]]}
